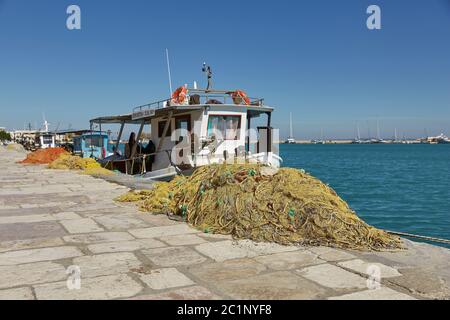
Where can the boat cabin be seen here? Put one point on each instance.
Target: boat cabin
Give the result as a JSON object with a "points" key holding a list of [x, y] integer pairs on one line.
{"points": [[200, 128], [92, 145], [45, 140]]}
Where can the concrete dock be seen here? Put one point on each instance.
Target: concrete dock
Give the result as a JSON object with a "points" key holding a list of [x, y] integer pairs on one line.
{"points": [[63, 237]]}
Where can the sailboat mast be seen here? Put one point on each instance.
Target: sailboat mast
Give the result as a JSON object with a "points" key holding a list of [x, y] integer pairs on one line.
{"points": [[378, 130], [291, 132]]}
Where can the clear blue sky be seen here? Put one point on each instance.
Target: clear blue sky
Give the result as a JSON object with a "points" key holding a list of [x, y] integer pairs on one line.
{"points": [[315, 58]]}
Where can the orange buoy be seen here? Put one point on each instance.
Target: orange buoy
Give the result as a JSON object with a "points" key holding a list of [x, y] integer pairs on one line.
{"points": [[239, 97], [179, 95]]}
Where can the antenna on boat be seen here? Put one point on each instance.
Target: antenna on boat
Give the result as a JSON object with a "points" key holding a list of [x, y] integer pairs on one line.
{"points": [[168, 71], [207, 69]]}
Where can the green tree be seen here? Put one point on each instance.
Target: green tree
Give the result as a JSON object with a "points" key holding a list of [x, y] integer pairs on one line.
{"points": [[5, 136]]}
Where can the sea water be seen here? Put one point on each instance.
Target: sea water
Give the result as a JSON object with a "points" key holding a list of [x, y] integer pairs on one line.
{"points": [[397, 187]]}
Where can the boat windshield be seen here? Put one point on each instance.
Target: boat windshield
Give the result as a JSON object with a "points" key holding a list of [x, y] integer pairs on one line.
{"points": [[47, 139], [94, 141]]}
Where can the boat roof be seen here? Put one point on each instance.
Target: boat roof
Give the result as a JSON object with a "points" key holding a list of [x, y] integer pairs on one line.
{"points": [[146, 113], [217, 100]]}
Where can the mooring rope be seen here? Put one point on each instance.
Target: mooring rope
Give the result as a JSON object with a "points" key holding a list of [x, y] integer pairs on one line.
{"points": [[409, 235]]}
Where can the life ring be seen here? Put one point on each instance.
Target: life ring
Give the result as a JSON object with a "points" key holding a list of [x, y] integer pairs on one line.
{"points": [[240, 96], [179, 95]]}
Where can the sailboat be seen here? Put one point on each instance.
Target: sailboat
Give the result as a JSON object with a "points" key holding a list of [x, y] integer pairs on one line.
{"points": [[291, 139], [322, 140], [378, 139], [358, 136]]}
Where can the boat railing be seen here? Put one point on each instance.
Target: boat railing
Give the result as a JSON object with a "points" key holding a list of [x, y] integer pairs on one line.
{"points": [[194, 99]]}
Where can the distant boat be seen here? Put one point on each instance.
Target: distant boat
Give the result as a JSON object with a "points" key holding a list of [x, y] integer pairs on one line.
{"points": [[291, 139], [358, 139], [378, 138], [440, 139]]}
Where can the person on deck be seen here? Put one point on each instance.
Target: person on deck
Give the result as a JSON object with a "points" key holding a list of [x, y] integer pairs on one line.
{"points": [[129, 145]]}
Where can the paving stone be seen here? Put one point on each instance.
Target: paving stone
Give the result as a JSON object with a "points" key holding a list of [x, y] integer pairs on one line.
{"points": [[333, 277], [120, 222], [183, 240], [331, 254], [364, 268], [281, 285], [20, 231], [289, 260], [35, 255], [215, 237], [16, 294], [106, 264], [26, 219], [173, 256], [264, 248], [422, 282], [30, 244], [227, 270], [27, 274], [156, 232], [66, 216], [99, 288], [160, 279], [121, 246], [98, 237], [224, 250], [190, 293], [84, 225], [382, 293]]}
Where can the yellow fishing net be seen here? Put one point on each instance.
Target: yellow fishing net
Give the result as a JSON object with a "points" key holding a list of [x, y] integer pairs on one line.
{"points": [[86, 165], [251, 202]]}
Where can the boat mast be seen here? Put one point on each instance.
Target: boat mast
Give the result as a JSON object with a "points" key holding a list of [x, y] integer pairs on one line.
{"points": [[358, 135], [378, 130], [291, 132]]}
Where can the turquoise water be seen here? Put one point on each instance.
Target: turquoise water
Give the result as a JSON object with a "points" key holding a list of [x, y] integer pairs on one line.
{"points": [[395, 187]]}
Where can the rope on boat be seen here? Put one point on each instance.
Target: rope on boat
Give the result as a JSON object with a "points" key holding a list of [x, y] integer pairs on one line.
{"points": [[409, 235]]}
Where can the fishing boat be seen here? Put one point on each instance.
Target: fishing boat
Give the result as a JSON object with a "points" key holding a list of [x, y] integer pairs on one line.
{"points": [[193, 128], [92, 145], [45, 139]]}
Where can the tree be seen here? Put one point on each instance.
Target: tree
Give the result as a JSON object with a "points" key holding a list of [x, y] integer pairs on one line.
{"points": [[5, 136]]}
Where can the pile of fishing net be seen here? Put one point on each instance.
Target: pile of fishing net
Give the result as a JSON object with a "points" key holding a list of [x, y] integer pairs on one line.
{"points": [[43, 156], [86, 165], [287, 206], [15, 147]]}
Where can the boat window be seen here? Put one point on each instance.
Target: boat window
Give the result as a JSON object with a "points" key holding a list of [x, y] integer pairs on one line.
{"points": [[224, 127], [47, 139], [182, 122], [93, 141], [161, 125]]}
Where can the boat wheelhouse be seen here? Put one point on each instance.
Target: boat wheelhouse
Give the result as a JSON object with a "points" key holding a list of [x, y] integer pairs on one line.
{"points": [[45, 140], [205, 127], [92, 145]]}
